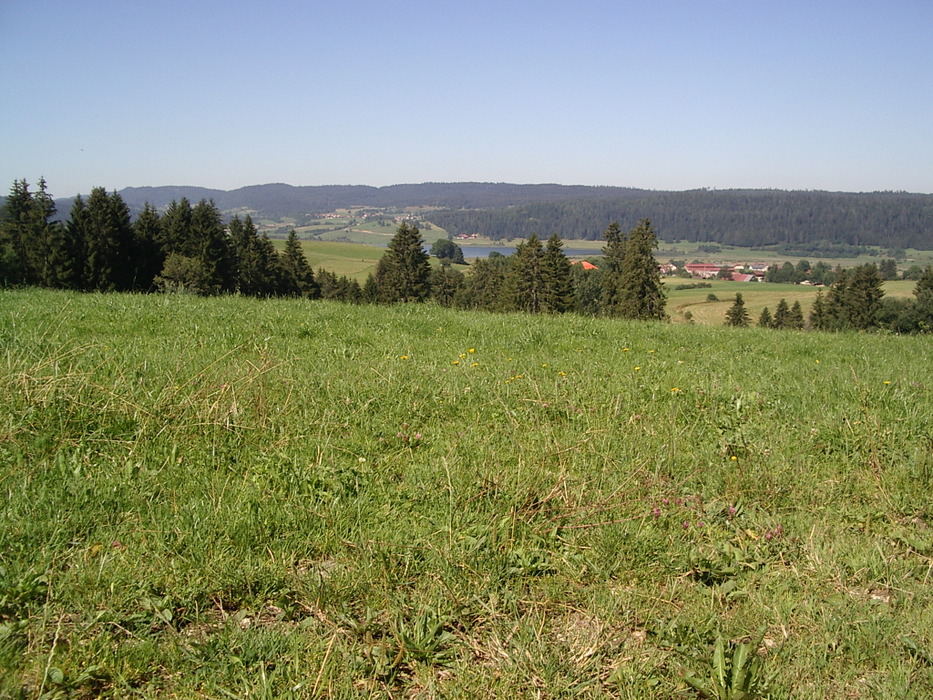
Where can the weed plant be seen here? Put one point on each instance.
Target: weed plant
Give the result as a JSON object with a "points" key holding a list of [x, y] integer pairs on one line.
{"points": [[232, 497]]}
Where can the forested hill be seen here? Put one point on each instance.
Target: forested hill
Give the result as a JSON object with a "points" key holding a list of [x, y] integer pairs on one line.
{"points": [[500, 210], [736, 217], [276, 201]]}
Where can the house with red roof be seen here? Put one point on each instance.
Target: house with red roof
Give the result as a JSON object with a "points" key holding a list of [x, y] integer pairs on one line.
{"points": [[703, 270]]}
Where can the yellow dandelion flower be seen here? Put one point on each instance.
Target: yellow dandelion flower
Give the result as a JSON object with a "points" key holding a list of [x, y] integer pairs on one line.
{"points": [[734, 458], [472, 350], [562, 374], [456, 362], [675, 390], [887, 381], [637, 369], [650, 351], [544, 364], [624, 349], [474, 364], [403, 357]]}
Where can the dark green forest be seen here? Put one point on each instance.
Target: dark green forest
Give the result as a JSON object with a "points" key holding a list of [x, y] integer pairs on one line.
{"points": [[797, 222]]}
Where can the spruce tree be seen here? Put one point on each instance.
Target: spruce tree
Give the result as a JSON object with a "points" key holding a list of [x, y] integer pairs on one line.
{"points": [[765, 320], [795, 318], [864, 295], [108, 243], [327, 283], [613, 257], [524, 282], [299, 277], [370, 290], [258, 270], [818, 318], [558, 279], [445, 283], [210, 245], [403, 273], [175, 230], [642, 294], [737, 315], [484, 285], [837, 308], [32, 245], [781, 315], [923, 301], [16, 235], [52, 265], [148, 257]]}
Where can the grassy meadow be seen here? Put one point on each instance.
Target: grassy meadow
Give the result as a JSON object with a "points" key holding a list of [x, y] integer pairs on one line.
{"points": [[232, 497], [355, 260]]}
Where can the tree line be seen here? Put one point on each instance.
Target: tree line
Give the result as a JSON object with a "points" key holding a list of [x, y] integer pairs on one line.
{"points": [[100, 248], [189, 248], [537, 278]]}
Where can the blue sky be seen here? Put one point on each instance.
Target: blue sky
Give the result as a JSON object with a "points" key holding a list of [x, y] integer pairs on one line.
{"points": [[659, 95]]}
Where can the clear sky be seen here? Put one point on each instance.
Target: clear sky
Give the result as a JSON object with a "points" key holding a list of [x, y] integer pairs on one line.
{"points": [[815, 94]]}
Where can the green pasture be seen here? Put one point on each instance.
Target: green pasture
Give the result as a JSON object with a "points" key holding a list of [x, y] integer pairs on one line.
{"points": [[232, 497], [354, 260], [756, 295]]}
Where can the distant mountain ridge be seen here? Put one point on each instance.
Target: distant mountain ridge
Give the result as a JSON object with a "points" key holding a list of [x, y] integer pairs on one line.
{"points": [[279, 200], [796, 219]]}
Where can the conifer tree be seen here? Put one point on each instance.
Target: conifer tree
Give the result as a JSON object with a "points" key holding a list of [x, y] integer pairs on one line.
{"points": [[327, 282], [795, 317], [259, 270], [484, 285], [369, 290], [403, 273], [837, 308], [15, 235], [765, 320], [864, 295], [642, 294], [175, 230], [525, 282], [108, 244], [923, 301], [299, 278], [32, 249], [210, 245], [737, 315], [613, 258], [445, 283], [51, 264], [558, 280], [148, 255], [818, 318], [781, 315]]}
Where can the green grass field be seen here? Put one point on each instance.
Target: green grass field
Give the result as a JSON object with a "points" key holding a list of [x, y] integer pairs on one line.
{"points": [[756, 295], [232, 497], [354, 260]]}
